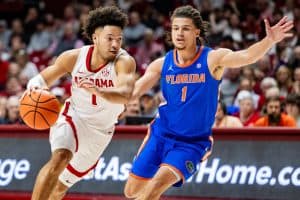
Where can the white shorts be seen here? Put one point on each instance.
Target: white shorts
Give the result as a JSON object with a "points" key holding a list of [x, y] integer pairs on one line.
{"points": [[86, 143]]}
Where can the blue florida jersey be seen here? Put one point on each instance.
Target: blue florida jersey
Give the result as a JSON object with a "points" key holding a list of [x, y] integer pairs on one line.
{"points": [[191, 95]]}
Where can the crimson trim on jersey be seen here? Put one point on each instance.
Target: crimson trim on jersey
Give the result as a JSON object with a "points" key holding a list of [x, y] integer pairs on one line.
{"points": [[88, 61], [78, 173], [71, 123]]}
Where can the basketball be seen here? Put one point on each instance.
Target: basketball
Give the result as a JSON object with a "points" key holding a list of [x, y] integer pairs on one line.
{"points": [[39, 109]]}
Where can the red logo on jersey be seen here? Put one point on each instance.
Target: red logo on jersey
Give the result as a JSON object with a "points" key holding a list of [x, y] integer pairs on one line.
{"points": [[105, 72]]}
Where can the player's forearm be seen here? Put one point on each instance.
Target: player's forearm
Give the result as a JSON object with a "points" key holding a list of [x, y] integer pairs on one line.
{"points": [[115, 95], [259, 49], [143, 85], [249, 55]]}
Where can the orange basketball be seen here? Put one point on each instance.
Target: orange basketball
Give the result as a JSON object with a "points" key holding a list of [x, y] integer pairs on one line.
{"points": [[39, 109]]}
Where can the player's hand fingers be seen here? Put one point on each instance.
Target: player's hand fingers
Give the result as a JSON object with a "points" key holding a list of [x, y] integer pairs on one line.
{"points": [[267, 24], [282, 21], [287, 27], [287, 35], [85, 84], [34, 88], [46, 88]]}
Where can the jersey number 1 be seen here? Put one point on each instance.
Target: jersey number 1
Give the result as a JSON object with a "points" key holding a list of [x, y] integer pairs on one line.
{"points": [[94, 100], [183, 93]]}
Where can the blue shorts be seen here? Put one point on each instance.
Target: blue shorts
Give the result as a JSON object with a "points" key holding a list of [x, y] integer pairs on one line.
{"points": [[181, 156]]}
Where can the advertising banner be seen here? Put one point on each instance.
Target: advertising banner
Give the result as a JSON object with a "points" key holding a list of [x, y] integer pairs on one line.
{"points": [[236, 169]]}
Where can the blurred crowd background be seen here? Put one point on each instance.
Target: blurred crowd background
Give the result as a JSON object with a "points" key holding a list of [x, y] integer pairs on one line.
{"points": [[33, 33]]}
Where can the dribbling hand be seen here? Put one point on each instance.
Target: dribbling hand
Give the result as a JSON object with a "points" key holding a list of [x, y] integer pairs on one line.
{"points": [[31, 89]]}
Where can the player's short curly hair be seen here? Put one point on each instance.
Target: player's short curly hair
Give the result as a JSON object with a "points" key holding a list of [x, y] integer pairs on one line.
{"points": [[194, 14], [103, 16]]}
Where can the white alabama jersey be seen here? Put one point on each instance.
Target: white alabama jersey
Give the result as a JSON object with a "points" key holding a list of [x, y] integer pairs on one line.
{"points": [[94, 110]]}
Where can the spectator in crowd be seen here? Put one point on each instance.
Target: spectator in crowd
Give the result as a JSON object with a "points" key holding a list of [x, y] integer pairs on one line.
{"points": [[223, 120], [13, 87], [284, 80], [30, 22], [148, 104], [248, 72], [273, 92], [247, 114], [264, 65], [67, 42], [3, 102], [28, 68], [4, 34], [14, 70], [148, 50], [296, 84], [17, 29], [265, 84], [17, 43], [292, 107], [133, 34], [218, 21], [283, 55], [230, 84], [132, 109], [233, 29], [295, 60], [247, 85], [12, 111], [274, 115], [40, 39], [70, 18]]}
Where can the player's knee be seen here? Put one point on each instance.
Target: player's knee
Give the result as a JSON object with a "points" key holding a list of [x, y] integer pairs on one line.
{"points": [[129, 192], [59, 160], [132, 190], [59, 191]]}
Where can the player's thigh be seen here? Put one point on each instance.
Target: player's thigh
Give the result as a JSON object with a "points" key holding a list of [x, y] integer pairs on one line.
{"points": [[148, 160], [92, 143], [62, 135], [183, 161]]}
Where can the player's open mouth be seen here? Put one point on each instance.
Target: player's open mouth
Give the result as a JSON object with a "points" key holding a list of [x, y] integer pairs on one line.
{"points": [[179, 40]]}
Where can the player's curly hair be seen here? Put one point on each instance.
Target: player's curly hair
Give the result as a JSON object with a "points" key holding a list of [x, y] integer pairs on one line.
{"points": [[103, 16], [194, 14]]}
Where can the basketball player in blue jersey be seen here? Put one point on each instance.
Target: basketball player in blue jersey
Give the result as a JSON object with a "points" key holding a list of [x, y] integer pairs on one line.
{"points": [[180, 136]]}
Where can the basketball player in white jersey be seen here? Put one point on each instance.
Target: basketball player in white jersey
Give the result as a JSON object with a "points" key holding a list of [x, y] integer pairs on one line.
{"points": [[102, 82]]}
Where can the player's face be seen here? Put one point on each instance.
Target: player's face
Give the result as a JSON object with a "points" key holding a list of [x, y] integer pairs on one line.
{"points": [[184, 33], [108, 41]]}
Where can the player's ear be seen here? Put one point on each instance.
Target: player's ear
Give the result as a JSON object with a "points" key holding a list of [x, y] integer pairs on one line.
{"points": [[198, 32], [94, 37]]}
